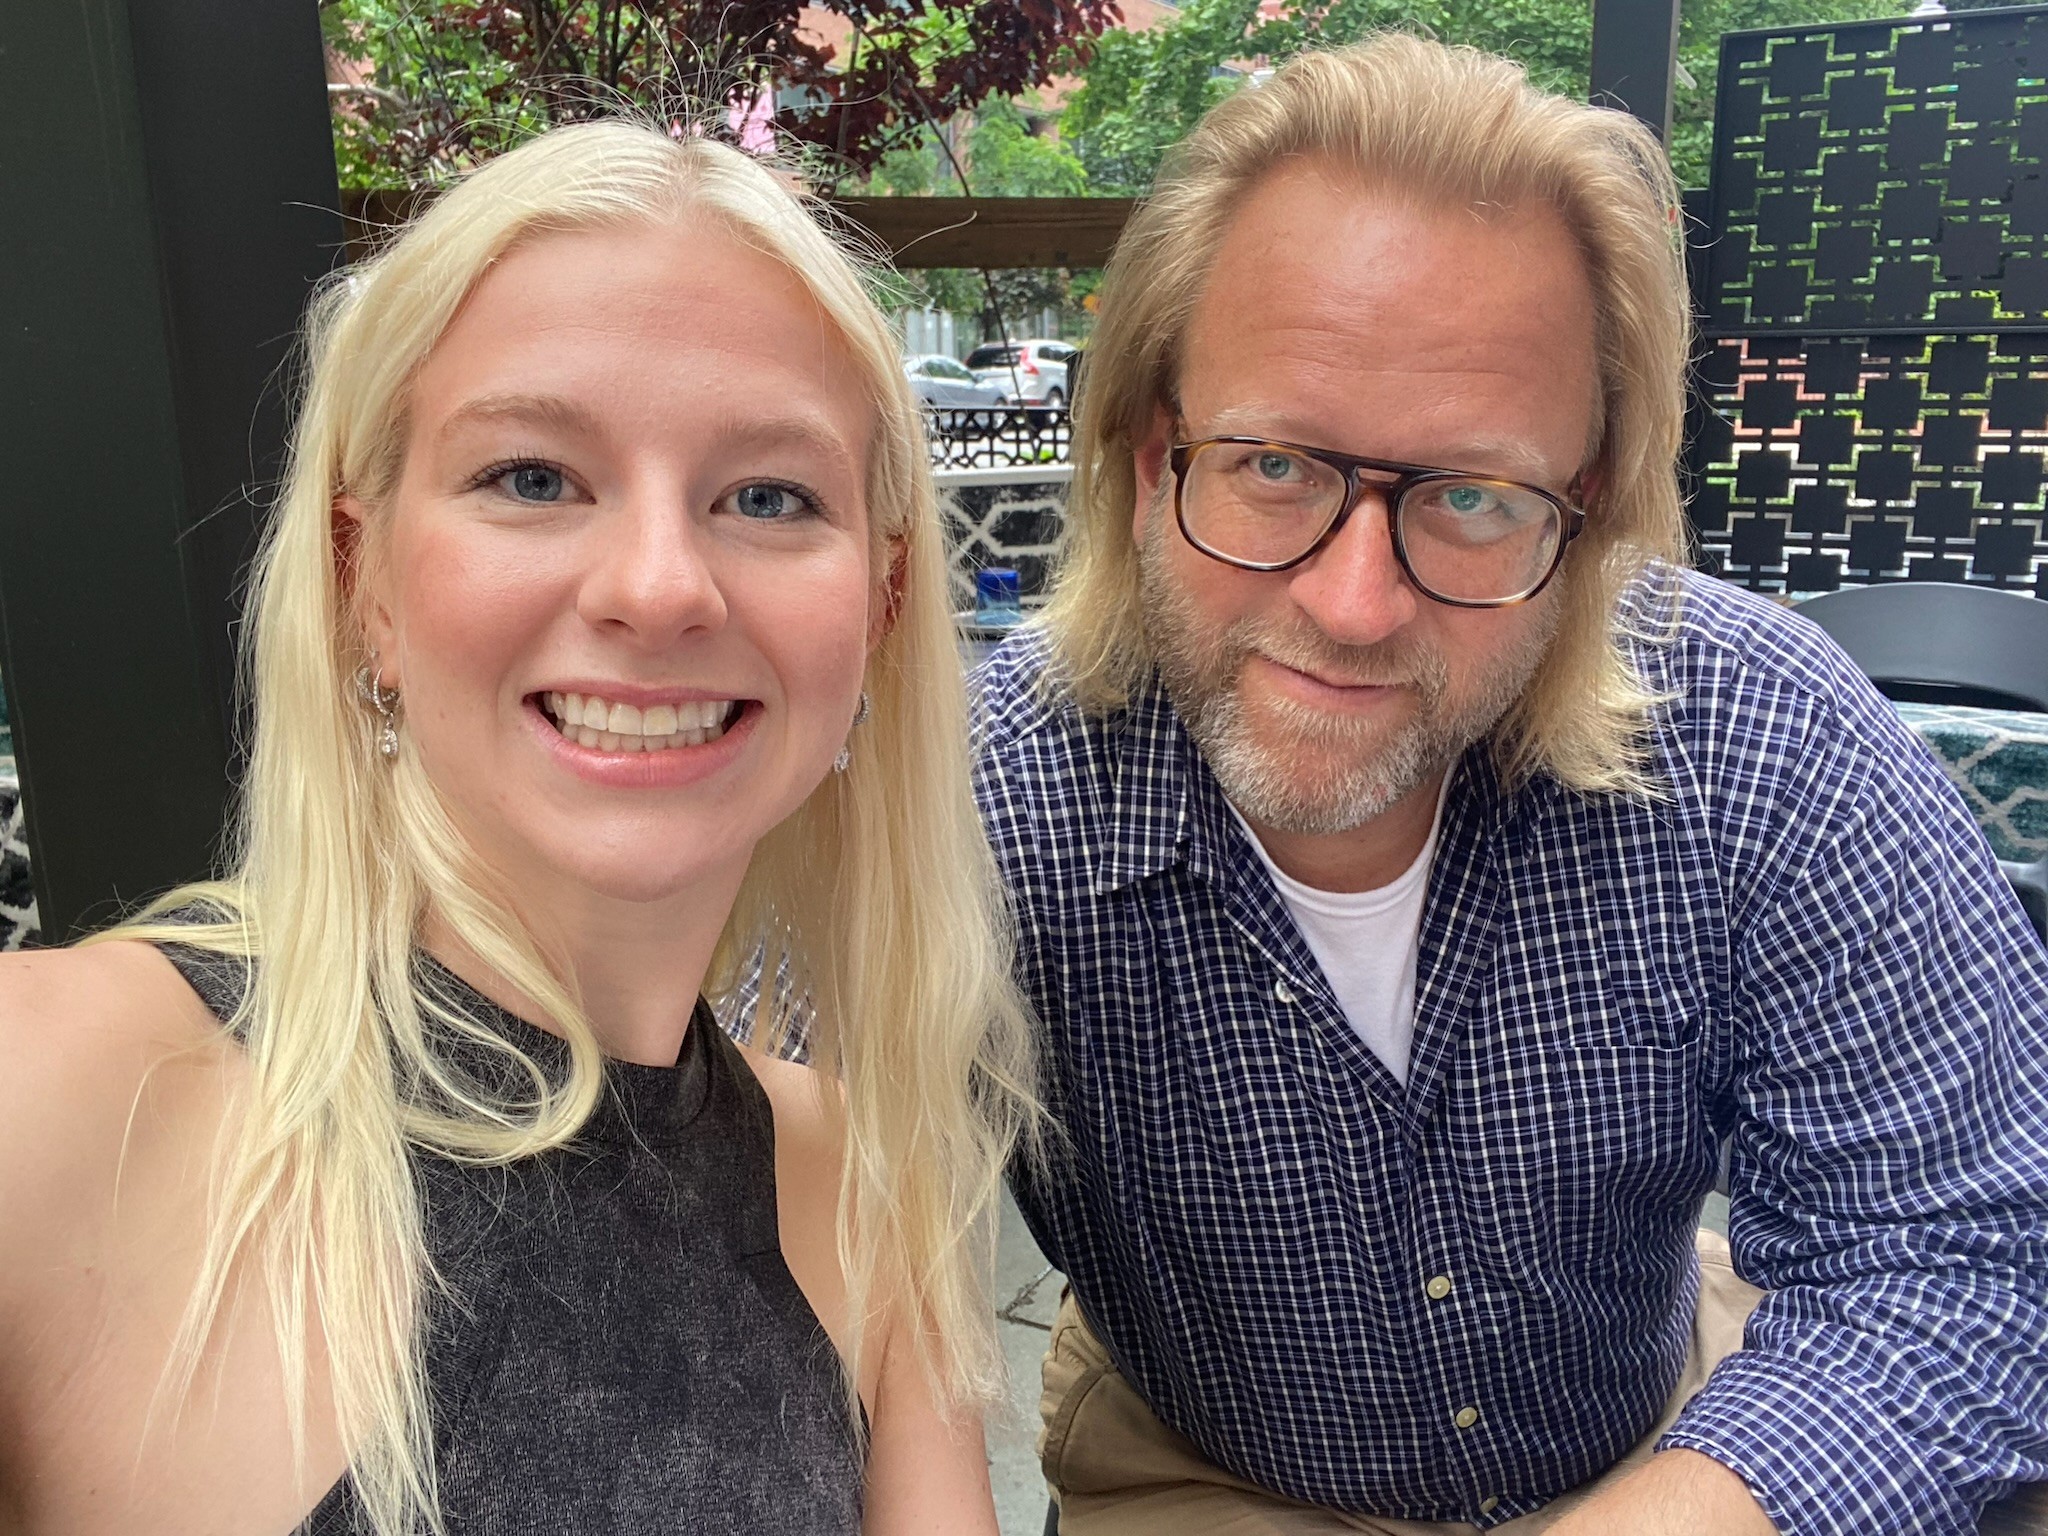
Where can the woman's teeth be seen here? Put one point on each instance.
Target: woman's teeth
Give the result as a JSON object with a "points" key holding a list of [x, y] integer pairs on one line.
{"points": [[590, 721]]}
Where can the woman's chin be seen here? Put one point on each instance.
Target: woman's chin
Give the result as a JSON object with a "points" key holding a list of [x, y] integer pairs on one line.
{"points": [[634, 865], [634, 883]]}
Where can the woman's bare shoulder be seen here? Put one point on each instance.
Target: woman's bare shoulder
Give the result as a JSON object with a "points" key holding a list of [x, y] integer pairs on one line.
{"points": [[810, 1139], [809, 1153], [75, 1017], [105, 1054], [805, 1104]]}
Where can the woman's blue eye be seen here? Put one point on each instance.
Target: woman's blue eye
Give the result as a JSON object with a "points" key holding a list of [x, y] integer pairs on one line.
{"points": [[765, 502], [535, 482]]}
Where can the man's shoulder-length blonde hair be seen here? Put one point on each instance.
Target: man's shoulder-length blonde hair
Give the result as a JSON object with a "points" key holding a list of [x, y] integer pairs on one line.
{"points": [[1452, 124], [879, 894]]}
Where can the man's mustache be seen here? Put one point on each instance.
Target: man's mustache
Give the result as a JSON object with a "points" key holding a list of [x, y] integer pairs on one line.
{"points": [[1386, 664]]}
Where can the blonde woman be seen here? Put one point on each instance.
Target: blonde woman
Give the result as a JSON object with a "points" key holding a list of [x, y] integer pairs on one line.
{"points": [[401, 1180]]}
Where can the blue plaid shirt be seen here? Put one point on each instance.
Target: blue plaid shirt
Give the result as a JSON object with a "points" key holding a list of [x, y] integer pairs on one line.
{"points": [[1806, 946]]}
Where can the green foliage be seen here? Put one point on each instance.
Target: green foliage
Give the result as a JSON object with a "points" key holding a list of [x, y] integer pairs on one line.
{"points": [[1143, 91], [1006, 159], [1001, 153], [418, 77], [445, 84]]}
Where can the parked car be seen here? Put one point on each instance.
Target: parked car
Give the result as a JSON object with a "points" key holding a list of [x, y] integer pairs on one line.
{"points": [[1027, 372], [941, 381]]}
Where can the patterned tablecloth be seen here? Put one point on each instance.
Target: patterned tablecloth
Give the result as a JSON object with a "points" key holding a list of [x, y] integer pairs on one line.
{"points": [[1999, 760]]}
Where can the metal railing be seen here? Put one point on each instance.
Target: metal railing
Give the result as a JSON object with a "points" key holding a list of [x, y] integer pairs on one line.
{"points": [[1002, 437]]}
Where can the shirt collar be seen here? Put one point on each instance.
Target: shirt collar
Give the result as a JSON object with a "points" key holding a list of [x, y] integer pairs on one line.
{"points": [[1159, 775], [1168, 809]]}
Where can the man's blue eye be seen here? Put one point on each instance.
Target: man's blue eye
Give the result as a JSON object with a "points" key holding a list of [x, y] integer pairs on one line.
{"points": [[536, 482], [767, 502], [1275, 466], [1467, 499]]}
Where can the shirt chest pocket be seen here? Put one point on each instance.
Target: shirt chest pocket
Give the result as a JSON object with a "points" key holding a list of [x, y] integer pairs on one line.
{"points": [[1633, 1150]]}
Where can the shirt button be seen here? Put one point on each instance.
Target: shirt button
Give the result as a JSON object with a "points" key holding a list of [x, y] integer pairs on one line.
{"points": [[1439, 1288], [1488, 1505], [1466, 1418], [1283, 992]]}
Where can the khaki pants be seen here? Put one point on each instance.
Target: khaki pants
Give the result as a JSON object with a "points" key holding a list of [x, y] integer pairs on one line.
{"points": [[1118, 1471]]}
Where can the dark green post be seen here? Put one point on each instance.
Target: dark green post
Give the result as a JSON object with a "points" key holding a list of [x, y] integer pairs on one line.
{"points": [[167, 176], [1635, 57]]}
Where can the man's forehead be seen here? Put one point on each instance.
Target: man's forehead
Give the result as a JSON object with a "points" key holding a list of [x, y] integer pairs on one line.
{"points": [[1337, 190], [1396, 327], [1305, 249]]}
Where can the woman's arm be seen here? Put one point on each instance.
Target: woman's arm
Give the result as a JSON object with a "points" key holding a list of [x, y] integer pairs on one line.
{"points": [[115, 1085], [85, 1036], [926, 1473]]}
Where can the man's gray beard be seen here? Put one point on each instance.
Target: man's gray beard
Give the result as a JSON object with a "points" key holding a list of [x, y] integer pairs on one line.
{"points": [[1325, 772]]}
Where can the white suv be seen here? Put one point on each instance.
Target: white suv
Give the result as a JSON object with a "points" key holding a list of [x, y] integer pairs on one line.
{"points": [[1027, 372]]}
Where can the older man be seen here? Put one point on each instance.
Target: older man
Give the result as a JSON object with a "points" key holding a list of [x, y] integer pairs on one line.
{"points": [[1421, 878]]}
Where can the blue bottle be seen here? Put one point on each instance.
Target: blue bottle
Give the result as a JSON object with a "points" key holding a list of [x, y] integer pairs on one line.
{"points": [[998, 599]]}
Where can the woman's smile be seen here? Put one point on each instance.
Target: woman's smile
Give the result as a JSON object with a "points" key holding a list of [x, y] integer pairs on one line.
{"points": [[627, 758], [597, 721]]}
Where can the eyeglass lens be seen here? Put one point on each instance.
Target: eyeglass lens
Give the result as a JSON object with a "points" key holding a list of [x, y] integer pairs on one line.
{"points": [[1469, 540]]}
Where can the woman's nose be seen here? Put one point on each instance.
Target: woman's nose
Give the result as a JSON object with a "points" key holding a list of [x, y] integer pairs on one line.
{"points": [[1353, 587], [653, 578]]}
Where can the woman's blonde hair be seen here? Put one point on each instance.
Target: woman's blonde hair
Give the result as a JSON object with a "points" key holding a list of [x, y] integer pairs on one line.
{"points": [[878, 894], [1449, 124]]}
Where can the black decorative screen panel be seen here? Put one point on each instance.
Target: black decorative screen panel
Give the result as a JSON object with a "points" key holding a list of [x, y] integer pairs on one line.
{"points": [[1884, 174], [1873, 400], [1864, 459]]}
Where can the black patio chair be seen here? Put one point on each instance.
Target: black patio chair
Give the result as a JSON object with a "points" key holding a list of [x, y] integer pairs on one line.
{"points": [[1935, 642]]}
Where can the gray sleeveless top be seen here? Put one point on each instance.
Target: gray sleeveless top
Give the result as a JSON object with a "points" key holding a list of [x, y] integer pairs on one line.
{"points": [[623, 1349]]}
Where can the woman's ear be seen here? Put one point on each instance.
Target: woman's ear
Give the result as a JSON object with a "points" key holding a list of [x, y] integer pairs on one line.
{"points": [[361, 589], [883, 614]]}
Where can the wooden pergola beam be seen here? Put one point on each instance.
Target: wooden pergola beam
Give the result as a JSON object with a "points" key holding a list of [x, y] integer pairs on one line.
{"points": [[914, 231], [992, 231]]}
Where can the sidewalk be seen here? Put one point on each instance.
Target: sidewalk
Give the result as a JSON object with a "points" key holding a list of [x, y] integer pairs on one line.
{"points": [[1027, 1296]]}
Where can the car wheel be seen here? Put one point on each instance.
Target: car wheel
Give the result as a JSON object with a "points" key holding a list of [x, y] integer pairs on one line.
{"points": [[1055, 398]]}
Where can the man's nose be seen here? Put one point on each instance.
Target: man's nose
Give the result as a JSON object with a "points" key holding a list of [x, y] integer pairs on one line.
{"points": [[654, 578], [1353, 587]]}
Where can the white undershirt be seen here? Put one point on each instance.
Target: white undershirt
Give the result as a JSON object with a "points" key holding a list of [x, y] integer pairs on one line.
{"points": [[1367, 943]]}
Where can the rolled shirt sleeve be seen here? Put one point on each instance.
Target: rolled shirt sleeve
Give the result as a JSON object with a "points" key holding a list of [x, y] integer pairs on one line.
{"points": [[1889, 1180]]}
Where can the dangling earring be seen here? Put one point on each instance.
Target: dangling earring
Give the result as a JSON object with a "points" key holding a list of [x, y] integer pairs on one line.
{"points": [[845, 757], [385, 702]]}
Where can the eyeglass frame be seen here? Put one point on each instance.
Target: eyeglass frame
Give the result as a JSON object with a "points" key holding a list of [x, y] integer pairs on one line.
{"points": [[1571, 516]]}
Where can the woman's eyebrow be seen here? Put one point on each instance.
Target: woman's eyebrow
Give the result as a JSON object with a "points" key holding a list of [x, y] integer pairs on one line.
{"points": [[757, 431], [566, 416], [550, 411]]}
